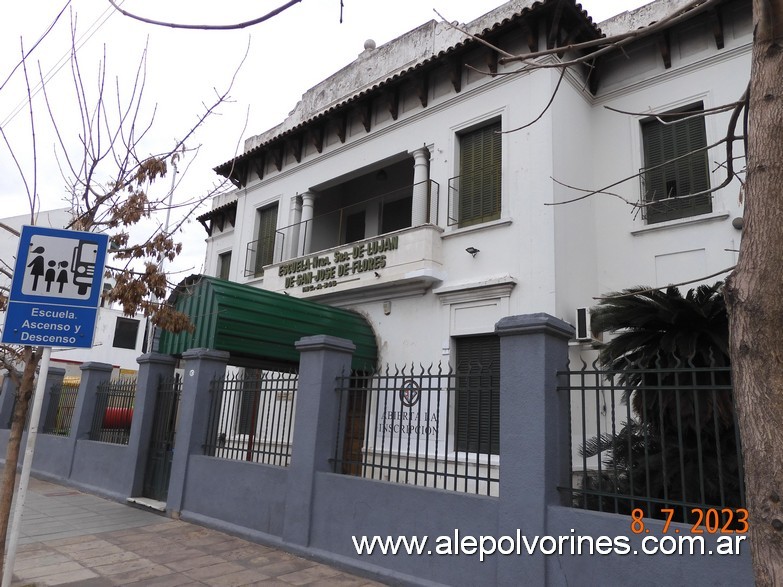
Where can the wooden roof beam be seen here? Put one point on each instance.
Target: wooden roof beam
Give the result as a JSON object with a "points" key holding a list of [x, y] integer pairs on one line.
{"points": [[554, 29], [365, 113], [717, 27], [593, 75], [278, 153], [297, 146], [394, 102], [342, 126], [455, 73], [665, 47], [317, 136], [492, 61], [422, 85], [259, 164], [530, 33]]}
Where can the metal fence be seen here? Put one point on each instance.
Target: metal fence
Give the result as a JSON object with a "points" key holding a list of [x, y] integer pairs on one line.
{"points": [[157, 473], [62, 401], [113, 415], [251, 417], [434, 427], [664, 441]]}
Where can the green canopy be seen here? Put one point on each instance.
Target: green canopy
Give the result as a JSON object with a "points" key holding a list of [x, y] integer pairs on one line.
{"points": [[259, 328]]}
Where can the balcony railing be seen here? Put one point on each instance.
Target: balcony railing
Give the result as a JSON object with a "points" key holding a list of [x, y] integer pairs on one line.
{"points": [[259, 253], [474, 197], [406, 207]]}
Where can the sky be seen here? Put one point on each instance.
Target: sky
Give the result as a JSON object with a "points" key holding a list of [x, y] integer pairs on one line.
{"points": [[285, 56]]}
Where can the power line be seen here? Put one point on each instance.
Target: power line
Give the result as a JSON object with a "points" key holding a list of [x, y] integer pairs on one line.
{"points": [[80, 41]]}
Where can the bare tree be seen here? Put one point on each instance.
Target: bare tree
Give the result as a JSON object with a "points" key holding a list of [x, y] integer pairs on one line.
{"points": [[752, 293], [755, 307], [110, 184]]}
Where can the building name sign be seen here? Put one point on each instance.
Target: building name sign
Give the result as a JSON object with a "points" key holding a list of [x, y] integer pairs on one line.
{"points": [[324, 271]]}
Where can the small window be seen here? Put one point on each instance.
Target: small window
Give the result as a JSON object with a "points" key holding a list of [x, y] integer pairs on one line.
{"points": [[675, 166], [126, 331], [224, 265], [477, 188], [478, 394]]}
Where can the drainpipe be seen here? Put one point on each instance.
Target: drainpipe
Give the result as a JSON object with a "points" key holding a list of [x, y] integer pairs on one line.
{"points": [[421, 187]]}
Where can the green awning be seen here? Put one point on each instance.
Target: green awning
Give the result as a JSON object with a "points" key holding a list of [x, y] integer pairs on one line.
{"points": [[259, 328]]}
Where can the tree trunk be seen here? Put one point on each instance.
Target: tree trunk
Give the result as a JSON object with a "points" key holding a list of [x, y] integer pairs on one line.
{"points": [[8, 482], [754, 300]]}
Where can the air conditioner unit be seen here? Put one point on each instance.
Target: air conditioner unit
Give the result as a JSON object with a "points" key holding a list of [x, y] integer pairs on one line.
{"points": [[583, 324]]}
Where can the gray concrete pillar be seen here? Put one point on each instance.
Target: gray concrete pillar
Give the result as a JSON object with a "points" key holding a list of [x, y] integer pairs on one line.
{"points": [[421, 187], [93, 375], [201, 366], [153, 367], [322, 359], [533, 432]]}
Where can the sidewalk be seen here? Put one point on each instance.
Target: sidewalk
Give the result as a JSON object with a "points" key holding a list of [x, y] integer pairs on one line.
{"points": [[73, 538]]}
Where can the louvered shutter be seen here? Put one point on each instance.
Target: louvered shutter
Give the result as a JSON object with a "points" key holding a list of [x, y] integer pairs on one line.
{"points": [[478, 394], [265, 246], [480, 175], [677, 179]]}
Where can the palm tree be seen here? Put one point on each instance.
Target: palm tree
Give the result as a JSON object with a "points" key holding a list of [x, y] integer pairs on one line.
{"points": [[670, 354]]}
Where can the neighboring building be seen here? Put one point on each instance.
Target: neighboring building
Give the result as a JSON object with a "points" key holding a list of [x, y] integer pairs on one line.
{"points": [[119, 339], [416, 187]]}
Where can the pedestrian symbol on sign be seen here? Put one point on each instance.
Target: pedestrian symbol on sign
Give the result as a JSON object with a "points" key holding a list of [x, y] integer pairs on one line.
{"points": [[60, 267]]}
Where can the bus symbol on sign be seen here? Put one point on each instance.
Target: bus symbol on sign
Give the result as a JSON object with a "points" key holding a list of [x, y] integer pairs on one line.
{"points": [[60, 267]]}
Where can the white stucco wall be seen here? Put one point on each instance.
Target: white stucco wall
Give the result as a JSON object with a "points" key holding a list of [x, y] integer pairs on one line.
{"points": [[537, 257]]}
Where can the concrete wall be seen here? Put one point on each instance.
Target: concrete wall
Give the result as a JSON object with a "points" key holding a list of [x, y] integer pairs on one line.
{"points": [[308, 509]]}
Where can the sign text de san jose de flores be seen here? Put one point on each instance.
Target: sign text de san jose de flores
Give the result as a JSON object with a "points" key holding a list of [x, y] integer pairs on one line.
{"points": [[321, 270]]}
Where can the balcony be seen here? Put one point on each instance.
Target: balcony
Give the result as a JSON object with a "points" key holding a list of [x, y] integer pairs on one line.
{"points": [[382, 243], [379, 215]]}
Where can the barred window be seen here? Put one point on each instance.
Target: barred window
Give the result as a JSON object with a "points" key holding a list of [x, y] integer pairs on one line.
{"points": [[675, 166]]}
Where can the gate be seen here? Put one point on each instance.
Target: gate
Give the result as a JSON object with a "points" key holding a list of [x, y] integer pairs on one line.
{"points": [[161, 449]]}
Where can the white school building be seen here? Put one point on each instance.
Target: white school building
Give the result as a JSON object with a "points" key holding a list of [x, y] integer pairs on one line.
{"points": [[431, 187]]}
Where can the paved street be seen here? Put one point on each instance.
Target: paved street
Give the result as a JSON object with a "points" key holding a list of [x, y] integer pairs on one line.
{"points": [[73, 538]]}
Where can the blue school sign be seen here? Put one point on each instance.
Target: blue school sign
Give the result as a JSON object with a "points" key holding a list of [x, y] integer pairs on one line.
{"points": [[56, 288]]}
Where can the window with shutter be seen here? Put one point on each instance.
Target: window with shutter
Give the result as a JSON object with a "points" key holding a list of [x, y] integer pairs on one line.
{"points": [[674, 167], [265, 245], [477, 411], [480, 175]]}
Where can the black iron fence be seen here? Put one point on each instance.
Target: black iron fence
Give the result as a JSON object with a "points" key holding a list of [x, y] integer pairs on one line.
{"points": [[62, 401], [433, 427], [157, 473], [113, 415], [664, 441], [251, 417]]}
